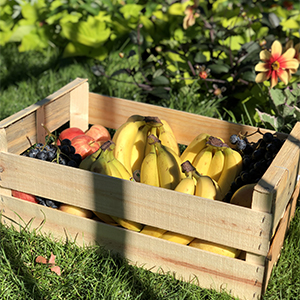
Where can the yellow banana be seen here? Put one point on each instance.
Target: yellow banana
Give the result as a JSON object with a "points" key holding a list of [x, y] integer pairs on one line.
{"points": [[195, 146], [124, 139], [105, 218], [138, 149], [167, 137], [168, 170], [131, 225], [100, 165], [177, 238], [178, 160], [186, 185], [203, 159], [230, 170], [216, 165], [216, 248], [149, 168], [239, 161], [153, 130], [89, 160], [206, 187], [153, 231]]}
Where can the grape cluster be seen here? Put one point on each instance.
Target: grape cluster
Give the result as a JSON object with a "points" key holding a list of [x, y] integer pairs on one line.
{"points": [[63, 154], [257, 157]]}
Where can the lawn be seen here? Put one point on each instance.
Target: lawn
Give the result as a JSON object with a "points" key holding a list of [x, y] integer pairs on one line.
{"points": [[94, 272]]}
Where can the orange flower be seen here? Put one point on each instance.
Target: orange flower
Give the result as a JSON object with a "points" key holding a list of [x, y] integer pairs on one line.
{"points": [[275, 64], [190, 16], [290, 44]]}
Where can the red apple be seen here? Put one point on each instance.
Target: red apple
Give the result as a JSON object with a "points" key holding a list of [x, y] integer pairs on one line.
{"points": [[84, 145], [99, 133], [24, 196], [69, 133]]}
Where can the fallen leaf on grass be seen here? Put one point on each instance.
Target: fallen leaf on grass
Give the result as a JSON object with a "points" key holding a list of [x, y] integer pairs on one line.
{"points": [[50, 262]]}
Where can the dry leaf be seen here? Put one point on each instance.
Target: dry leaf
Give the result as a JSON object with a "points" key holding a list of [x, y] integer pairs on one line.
{"points": [[52, 259], [56, 269], [41, 259]]}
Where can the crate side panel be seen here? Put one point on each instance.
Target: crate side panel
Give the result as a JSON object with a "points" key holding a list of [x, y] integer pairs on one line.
{"points": [[278, 183], [206, 269], [215, 221], [32, 108], [112, 112], [278, 239], [19, 133]]}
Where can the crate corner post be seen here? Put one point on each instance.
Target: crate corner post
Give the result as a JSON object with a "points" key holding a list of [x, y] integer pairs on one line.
{"points": [[79, 107]]}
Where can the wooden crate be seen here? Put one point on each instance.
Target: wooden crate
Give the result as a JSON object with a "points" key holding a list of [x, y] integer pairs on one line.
{"points": [[259, 232]]}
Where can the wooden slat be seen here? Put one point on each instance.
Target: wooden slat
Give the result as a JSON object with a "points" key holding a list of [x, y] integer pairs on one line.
{"points": [[278, 183], [206, 269], [278, 239], [215, 221], [24, 123], [112, 112], [79, 107]]}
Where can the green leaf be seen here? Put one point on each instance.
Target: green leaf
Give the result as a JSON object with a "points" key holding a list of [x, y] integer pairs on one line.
{"points": [[160, 92], [297, 112], [160, 80], [218, 68], [200, 58], [158, 72], [131, 11], [76, 49], [277, 96], [266, 118], [290, 24], [274, 20], [290, 98], [249, 76], [35, 40], [91, 33], [73, 17], [176, 9], [20, 31]]}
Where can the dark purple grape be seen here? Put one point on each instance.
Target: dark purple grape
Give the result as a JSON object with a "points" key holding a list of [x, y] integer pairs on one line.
{"points": [[72, 150], [66, 142], [246, 161], [246, 178], [234, 139], [39, 145], [63, 160], [268, 155], [51, 203], [268, 137], [261, 144], [239, 182], [33, 152], [228, 197], [65, 149], [241, 145], [248, 149], [72, 163], [76, 157], [272, 148], [257, 154], [43, 155]]}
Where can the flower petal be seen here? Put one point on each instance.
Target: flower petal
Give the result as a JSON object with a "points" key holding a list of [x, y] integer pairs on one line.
{"points": [[261, 67], [265, 55], [276, 49], [290, 64], [274, 79], [288, 54], [261, 77], [283, 75]]}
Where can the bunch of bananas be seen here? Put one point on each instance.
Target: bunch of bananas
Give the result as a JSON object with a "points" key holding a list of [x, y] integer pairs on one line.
{"points": [[212, 158]]}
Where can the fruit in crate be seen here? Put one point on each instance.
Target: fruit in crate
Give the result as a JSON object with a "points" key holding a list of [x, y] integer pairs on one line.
{"points": [[99, 133], [24, 196], [243, 195], [78, 211], [256, 157], [84, 145], [107, 164], [215, 248], [69, 134]]}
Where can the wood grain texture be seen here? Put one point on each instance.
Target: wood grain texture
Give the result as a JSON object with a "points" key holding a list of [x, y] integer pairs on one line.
{"points": [[215, 221], [274, 190], [278, 239], [206, 269], [112, 112], [22, 126], [79, 107]]}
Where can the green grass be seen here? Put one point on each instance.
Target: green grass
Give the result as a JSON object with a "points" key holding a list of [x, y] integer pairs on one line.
{"points": [[93, 272]]}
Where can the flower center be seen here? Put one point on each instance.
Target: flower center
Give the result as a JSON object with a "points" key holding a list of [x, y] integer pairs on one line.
{"points": [[275, 65]]}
